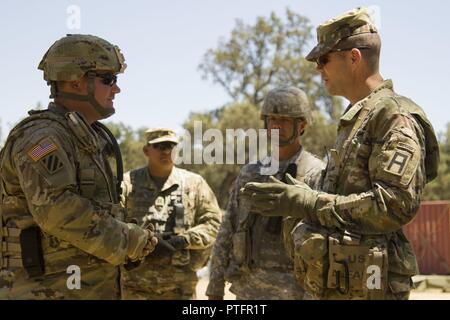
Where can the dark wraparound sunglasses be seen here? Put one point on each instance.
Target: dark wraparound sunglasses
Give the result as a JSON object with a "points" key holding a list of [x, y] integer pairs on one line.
{"points": [[163, 146], [108, 79], [323, 60]]}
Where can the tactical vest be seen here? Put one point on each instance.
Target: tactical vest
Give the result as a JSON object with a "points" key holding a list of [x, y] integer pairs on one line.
{"points": [[95, 181], [258, 240], [166, 210]]}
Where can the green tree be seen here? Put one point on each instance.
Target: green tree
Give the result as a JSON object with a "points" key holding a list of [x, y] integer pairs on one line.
{"points": [[131, 143], [439, 189], [265, 55]]}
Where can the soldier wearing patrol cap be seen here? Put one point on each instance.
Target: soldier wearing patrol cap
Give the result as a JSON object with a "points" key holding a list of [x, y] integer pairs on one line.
{"points": [[249, 251], [61, 229], [350, 244], [186, 216]]}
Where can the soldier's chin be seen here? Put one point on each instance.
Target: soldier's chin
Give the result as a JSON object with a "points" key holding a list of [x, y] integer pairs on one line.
{"points": [[110, 112]]}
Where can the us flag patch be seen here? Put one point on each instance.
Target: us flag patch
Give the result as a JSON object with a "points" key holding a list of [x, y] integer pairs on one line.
{"points": [[41, 150]]}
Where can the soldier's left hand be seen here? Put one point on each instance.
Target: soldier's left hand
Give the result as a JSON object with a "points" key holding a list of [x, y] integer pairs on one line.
{"points": [[276, 198]]}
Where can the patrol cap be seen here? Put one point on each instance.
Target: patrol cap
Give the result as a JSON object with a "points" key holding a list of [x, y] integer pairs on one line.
{"points": [[334, 32], [157, 135]]}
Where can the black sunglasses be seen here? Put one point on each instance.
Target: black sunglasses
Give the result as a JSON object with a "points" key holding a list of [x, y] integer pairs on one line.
{"points": [[163, 146], [108, 79], [324, 59]]}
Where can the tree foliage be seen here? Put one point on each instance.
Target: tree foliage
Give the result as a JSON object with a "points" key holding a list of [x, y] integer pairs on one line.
{"points": [[131, 143], [439, 189]]}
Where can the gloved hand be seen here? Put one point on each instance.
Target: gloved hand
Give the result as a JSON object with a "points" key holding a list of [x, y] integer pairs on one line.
{"points": [[168, 244], [276, 198], [141, 241], [178, 242]]}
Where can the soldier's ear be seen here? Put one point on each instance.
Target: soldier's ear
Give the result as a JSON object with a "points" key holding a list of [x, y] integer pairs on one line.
{"points": [[301, 126], [356, 56], [145, 149]]}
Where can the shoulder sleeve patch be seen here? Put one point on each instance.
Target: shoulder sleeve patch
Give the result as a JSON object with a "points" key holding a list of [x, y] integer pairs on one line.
{"points": [[39, 151], [399, 160]]}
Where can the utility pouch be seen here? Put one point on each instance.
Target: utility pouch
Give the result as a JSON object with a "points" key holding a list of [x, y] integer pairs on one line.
{"points": [[32, 253], [358, 269], [310, 258]]}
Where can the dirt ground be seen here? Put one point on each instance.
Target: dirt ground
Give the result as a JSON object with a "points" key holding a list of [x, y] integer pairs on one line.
{"points": [[415, 295]]}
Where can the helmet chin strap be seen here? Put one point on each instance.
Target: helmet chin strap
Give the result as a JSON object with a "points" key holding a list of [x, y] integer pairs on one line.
{"points": [[90, 98]]}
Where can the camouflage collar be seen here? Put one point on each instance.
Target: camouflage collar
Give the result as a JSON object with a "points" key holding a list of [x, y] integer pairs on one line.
{"points": [[267, 161], [352, 111], [57, 108], [172, 180]]}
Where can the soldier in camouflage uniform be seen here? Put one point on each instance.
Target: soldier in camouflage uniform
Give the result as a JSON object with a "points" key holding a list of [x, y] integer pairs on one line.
{"points": [[249, 250], [350, 244], [186, 217], [59, 206]]}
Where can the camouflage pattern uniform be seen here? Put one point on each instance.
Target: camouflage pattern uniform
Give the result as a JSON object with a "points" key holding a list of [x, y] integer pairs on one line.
{"points": [[351, 244], [58, 196], [171, 276], [249, 250]]}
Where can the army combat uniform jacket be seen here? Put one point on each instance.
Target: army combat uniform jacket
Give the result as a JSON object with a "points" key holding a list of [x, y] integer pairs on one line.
{"points": [[249, 250], [354, 247], [185, 206], [60, 236]]}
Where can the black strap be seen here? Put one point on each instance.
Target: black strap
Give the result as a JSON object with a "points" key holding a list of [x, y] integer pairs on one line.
{"points": [[117, 156]]}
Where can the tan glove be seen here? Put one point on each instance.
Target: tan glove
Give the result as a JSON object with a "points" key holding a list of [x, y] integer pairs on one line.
{"points": [[141, 241]]}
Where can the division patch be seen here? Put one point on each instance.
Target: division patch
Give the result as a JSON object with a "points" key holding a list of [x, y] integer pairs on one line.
{"points": [[52, 163]]}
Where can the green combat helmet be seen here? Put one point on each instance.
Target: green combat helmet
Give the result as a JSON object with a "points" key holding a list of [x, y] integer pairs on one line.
{"points": [[287, 102], [76, 55]]}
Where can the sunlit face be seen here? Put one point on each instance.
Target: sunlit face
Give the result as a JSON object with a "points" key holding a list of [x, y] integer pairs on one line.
{"points": [[105, 89], [159, 155], [334, 72], [285, 126]]}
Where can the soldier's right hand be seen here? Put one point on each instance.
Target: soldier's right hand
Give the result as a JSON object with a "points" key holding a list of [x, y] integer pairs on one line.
{"points": [[141, 242]]}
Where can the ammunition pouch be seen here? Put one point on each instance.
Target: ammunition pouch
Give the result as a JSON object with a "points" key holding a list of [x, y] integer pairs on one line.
{"points": [[31, 249], [358, 270], [311, 258], [340, 265]]}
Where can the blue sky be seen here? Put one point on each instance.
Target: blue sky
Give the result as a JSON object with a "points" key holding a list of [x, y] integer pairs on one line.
{"points": [[164, 41]]}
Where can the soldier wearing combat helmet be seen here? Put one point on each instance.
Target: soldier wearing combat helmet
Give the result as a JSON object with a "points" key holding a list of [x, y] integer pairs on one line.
{"points": [[59, 210], [249, 250], [350, 244]]}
